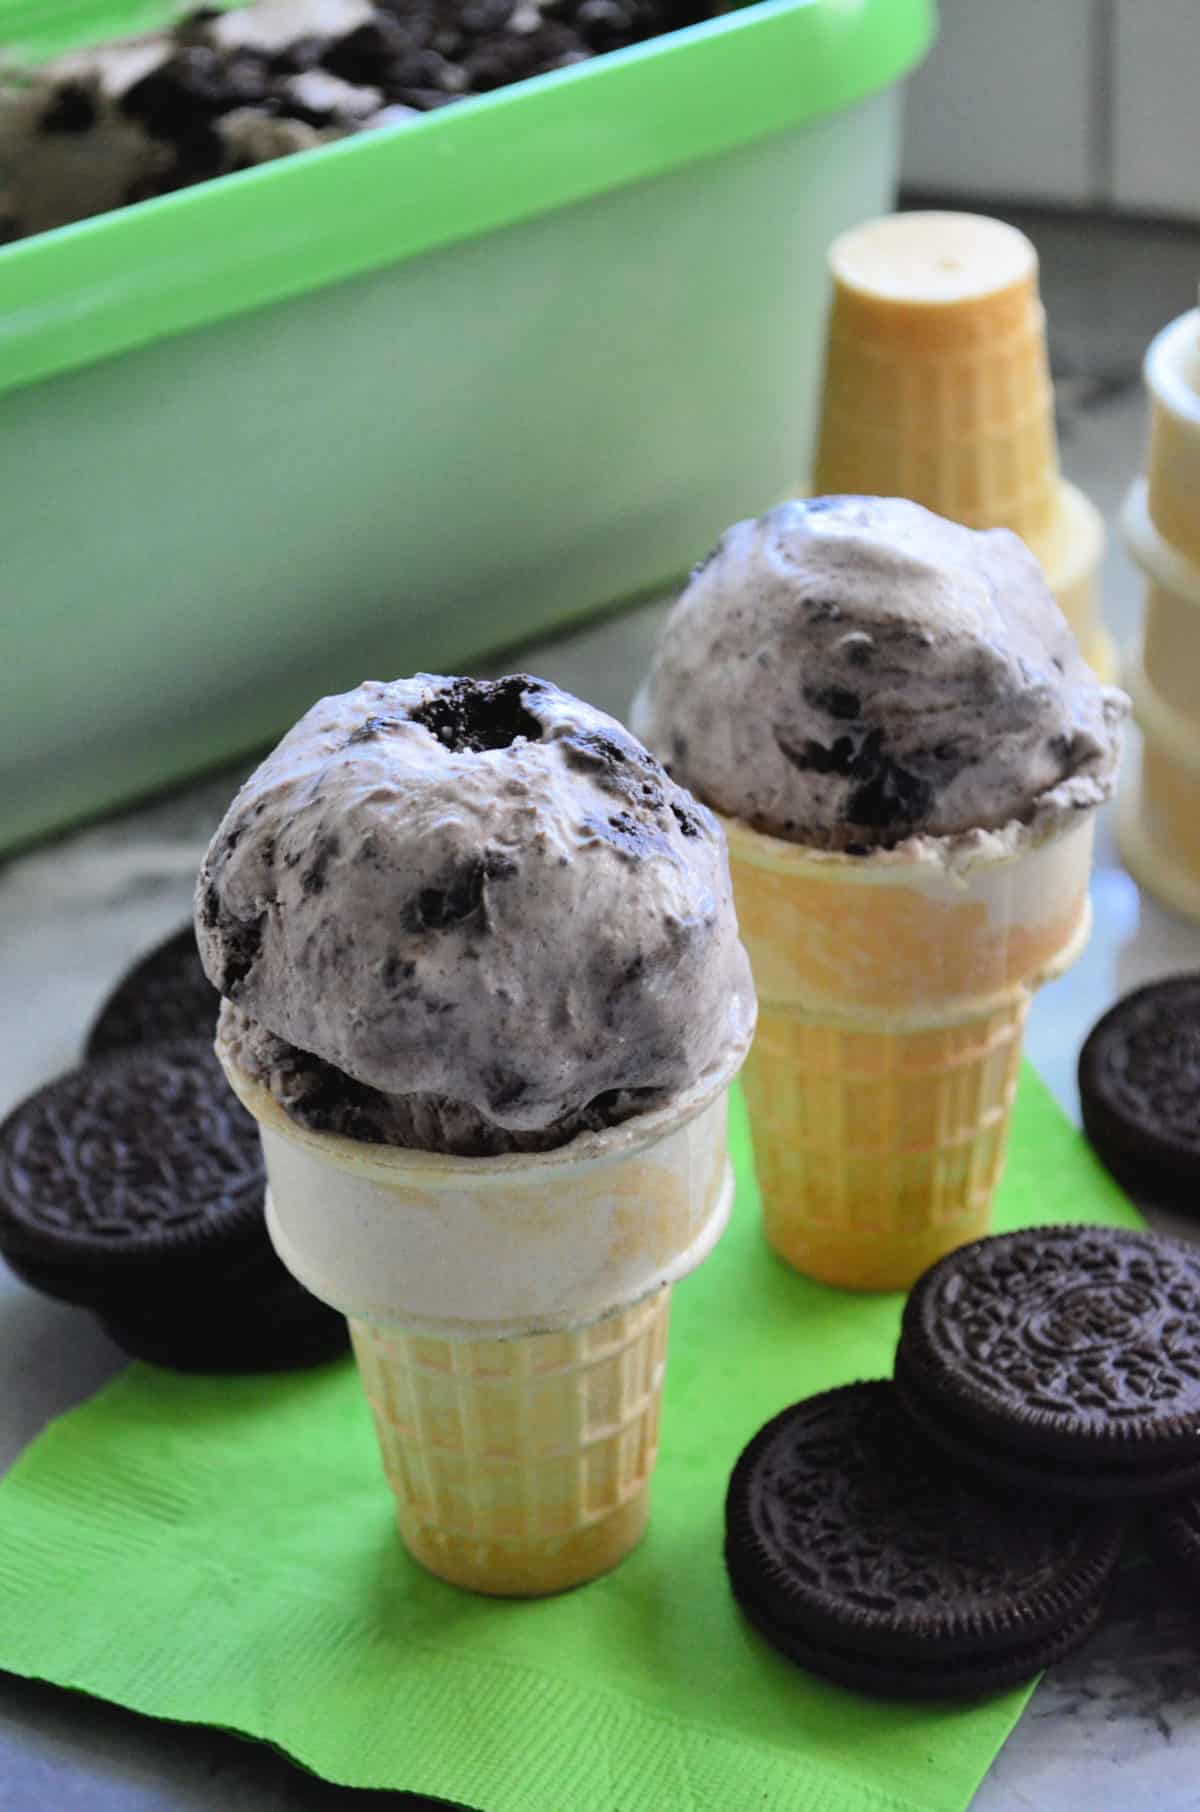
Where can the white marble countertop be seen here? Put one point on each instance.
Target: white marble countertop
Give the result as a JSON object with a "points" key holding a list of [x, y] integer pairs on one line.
{"points": [[1117, 1726]]}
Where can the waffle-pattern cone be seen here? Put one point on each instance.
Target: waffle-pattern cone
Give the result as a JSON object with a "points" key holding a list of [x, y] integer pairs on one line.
{"points": [[892, 1004], [521, 1466], [937, 387], [509, 1319], [1159, 819], [878, 1152]]}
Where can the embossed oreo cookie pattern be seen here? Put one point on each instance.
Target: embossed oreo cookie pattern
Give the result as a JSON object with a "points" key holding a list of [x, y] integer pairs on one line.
{"points": [[1139, 1086], [860, 1551], [1065, 1360]]}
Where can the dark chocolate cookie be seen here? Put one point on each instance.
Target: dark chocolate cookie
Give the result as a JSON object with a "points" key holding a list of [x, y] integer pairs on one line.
{"points": [[127, 1161], [164, 996], [282, 1330], [252, 1317], [1063, 1360], [1173, 1536], [1139, 1090], [860, 1552], [134, 1187]]}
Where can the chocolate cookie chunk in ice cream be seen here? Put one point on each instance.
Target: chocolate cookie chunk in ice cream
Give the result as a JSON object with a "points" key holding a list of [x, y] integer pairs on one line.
{"points": [[850, 672], [102, 127], [470, 916], [221, 90]]}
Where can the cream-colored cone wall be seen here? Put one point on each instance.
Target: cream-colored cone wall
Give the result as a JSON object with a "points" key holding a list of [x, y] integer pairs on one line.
{"points": [[1159, 818]]}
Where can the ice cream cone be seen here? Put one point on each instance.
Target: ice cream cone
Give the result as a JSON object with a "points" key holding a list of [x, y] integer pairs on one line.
{"points": [[1160, 809], [937, 388], [1172, 375], [893, 991], [1158, 819], [509, 1318], [520, 1466]]}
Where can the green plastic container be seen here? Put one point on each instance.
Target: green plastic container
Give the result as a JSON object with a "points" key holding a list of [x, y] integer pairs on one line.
{"points": [[402, 401]]}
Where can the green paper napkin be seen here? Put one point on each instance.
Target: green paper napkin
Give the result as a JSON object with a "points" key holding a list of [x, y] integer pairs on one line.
{"points": [[222, 1551]]}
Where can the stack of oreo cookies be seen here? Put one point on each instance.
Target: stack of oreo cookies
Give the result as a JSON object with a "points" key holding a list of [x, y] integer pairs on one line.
{"points": [[954, 1530], [134, 1185]]}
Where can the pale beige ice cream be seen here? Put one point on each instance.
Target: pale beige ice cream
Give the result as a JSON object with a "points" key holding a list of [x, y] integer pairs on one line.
{"points": [[470, 916], [852, 672]]}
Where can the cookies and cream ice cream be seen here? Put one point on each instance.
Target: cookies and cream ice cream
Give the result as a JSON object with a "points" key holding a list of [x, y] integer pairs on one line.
{"points": [[470, 916], [223, 90], [851, 672], [219, 92]]}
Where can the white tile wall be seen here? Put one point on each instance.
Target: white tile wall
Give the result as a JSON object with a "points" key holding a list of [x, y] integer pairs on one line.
{"points": [[1156, 113], [1071, 102], [1003, 104]]}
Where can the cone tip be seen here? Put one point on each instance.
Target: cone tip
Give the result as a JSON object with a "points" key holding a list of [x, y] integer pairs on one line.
{"points": [[936, 259]]}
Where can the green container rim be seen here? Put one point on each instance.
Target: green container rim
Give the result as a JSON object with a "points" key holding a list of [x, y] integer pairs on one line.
{"points": [[205, 254]]}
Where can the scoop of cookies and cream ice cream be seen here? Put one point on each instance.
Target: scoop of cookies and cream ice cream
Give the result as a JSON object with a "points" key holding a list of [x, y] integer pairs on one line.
{"points": [[850, 672], [470, 916]]}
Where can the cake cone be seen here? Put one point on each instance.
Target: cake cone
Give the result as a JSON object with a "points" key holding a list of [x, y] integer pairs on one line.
{"points": [[937, 387], [1172, 376], [509, 1319], [893, 992], [520, 1466], [1160, 809]]}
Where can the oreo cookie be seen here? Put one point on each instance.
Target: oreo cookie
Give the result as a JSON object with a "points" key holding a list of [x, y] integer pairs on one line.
{"points": [[164, 996], [134, 1187], [1061, 1360], [859, 1552], [1173, 1537], [1139, 1090], [284, 1330]]}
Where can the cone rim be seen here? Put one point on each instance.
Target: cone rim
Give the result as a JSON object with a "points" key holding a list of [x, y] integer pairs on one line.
{"points": [[394, 1163], [1163, 369], [1020, 268], [959, 854]]}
